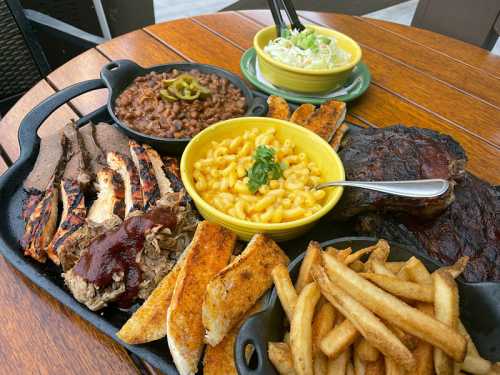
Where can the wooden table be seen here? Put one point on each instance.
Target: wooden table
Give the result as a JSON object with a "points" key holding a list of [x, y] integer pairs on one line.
{"points": [[419, 78]]}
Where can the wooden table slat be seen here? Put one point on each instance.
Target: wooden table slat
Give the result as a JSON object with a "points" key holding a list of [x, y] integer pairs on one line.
{"points": [[194, 43], [139, 47], [83, 67], [472, 55], [466, 112], [9, 124]]}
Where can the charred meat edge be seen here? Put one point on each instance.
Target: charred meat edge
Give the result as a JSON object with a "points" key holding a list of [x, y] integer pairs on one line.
{"points": [[72, 218], [147, 177], [128, 172]]}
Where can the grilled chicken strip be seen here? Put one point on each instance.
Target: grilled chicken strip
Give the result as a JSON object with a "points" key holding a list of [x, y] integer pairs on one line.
{"points": [[110, 198], [72, 218], [158, 166], [149, 183], [41, 225], [130, 176]]}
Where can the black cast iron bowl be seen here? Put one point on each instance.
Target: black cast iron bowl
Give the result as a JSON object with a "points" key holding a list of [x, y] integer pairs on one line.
{"points": [[119, 74], [479, 311]]}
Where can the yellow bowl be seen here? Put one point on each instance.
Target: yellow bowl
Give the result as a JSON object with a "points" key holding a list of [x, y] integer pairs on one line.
{"points": [[319, 151], [300, 79]]}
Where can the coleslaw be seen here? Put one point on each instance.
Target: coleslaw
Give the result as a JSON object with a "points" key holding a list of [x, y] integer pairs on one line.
{"points": [[307, 49]]}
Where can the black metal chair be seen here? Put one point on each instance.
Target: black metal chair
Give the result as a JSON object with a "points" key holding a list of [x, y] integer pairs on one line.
{"points": [[22, 59], [476, 22], [353, 7]]}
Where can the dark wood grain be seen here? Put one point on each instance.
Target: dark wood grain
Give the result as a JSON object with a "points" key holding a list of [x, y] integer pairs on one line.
{"points": [[9, 124], [419, 78], [83, 67]]}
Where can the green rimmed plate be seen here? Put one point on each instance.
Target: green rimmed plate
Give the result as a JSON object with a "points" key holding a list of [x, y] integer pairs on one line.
{"points": [[355, 86]]}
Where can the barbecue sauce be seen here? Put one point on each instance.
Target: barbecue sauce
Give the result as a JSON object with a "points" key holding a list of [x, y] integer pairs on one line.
{"points": [[115, 251]]}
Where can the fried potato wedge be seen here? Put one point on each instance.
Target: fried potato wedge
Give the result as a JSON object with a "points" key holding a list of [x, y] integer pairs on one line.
{"points": [[149, 322], [301, 329], [370, 327], [313, 256], [278, 108], [281, 357], [302, 114], [208, 253], [237, 287], [405, 289], [390, 308], [284, 287]]}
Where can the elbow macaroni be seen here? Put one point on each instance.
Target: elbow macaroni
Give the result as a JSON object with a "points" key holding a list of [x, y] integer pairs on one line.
{"points": [[220, 178]]}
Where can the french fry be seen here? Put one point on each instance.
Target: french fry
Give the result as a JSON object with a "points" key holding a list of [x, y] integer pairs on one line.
{"points": [[410, 341], [281, 357], [423, 352], [457, 268], [380, 268], [331, 251], [390, 308], [375, 368], [446, 310], [366, 351], [394, 267], [338, 366], [284, 287], [476, 365], [301, 329], [380, 251], [359, 365], [322, 324], [320, 364], [417, 272], [357, 266], [313, 256], [400, 288], [471, 347], [350, 369], [402, 274], [286, 338], [339, 339], [343, 254], [370, 327], [393, 368], [357, 255]]}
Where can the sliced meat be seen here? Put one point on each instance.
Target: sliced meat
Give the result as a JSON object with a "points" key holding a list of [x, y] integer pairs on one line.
{"points": [[95, 298], [110, 197], [130, 176], [470, 226], [50, 157], [398, 153], [33, 197], [76, 166], [149, 184], [158, 166], [110, 139], [41, 225], [72, 218], [96, 157], [172, 171]]}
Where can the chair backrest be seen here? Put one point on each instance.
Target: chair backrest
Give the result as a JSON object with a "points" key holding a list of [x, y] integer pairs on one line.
{"points": [[472, 21], [22, 62]]}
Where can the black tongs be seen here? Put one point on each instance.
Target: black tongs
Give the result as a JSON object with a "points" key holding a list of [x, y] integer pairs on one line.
{"points": [[281, 26]]}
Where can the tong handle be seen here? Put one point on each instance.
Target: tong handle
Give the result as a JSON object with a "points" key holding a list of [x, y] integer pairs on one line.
{"points": [[292, 15], [281, 26]]}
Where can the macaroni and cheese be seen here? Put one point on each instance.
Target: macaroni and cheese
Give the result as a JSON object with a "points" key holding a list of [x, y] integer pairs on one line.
{"points": [[221, 178]]}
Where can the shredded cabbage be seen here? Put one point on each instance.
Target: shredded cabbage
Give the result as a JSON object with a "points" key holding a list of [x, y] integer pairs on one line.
{"points": [[307, 50]]}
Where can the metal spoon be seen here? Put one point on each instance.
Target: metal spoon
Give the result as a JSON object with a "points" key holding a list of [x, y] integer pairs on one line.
{"points": [[413, 189]]}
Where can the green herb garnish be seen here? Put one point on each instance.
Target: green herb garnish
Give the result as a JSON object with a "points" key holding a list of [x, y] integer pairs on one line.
{"points": [[264, 169]]}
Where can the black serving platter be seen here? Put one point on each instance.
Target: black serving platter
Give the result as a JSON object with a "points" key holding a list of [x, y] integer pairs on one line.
{"points": [[119, 74], [479, 311]]}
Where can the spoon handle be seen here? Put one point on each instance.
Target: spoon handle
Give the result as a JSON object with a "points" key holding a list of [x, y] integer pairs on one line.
{"points": [[413, 189]]}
